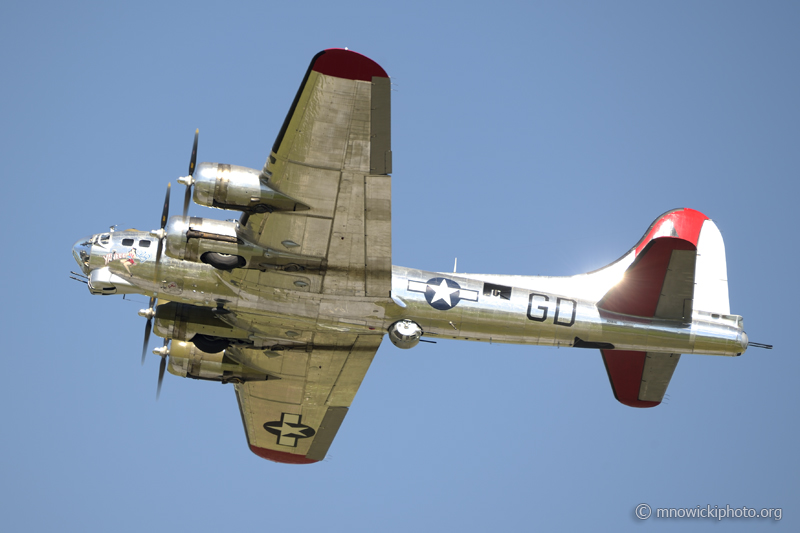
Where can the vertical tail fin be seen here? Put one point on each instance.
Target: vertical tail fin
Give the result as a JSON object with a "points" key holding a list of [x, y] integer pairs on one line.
{"points": [[678, 267]]}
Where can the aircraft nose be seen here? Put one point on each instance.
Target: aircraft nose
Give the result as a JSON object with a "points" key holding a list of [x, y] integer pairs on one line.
{"points": [[82, 251]]}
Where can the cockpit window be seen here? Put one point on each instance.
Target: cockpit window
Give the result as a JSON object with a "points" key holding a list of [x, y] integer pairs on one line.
{"points": [[127, 242], [144, 244]]}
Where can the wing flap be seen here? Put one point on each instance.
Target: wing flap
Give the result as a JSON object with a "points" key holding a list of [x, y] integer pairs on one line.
{"points": [[379, 236]]}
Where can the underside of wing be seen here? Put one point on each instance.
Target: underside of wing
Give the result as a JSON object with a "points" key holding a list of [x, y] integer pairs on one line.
{"points": [[333, 154], [294, 416], [315, 297]]}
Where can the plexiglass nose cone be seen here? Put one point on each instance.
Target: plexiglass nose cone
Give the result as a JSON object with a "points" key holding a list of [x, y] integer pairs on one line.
{"points": [[81, 251]]}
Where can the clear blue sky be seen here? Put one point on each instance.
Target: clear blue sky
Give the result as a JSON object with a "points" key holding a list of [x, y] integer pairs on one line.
{"points": [[528, 138]]}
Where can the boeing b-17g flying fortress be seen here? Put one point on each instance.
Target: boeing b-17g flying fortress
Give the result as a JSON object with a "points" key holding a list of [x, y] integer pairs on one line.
{"points": [[291, 302]]}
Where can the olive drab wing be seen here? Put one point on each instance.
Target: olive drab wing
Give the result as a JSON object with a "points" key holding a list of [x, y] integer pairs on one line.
{"points": [[333, 154]]}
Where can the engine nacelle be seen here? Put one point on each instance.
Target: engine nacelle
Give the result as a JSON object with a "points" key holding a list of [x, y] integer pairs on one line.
{"points": [[405, 334], [188, 238], [226, 245], [181, 322], [187, 361], [240, 189]]}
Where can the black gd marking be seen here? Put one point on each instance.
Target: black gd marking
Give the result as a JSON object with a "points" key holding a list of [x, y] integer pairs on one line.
{"points": [[542, 308], [571, 321], [289, 429], [539, 314]]}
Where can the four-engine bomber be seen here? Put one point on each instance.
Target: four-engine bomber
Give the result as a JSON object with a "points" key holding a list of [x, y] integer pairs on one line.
{"points": [[291, 301]]}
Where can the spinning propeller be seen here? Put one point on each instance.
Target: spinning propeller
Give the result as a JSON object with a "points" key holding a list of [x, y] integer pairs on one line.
{"points": [[189, 180], [150, 312], [160, 234]]}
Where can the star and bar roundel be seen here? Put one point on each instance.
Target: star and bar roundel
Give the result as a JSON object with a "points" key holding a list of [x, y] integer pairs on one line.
{"points": [[289, 429], [442, 293]]}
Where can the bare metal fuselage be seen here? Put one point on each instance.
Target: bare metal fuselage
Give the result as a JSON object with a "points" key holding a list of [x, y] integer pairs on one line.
{"points": [[489, 308]]}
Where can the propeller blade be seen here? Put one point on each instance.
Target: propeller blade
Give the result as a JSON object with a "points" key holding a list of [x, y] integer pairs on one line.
{"points": [[160, 233], [165, 212], [158, 254], [150, 311], [188, 182], [161, 368], [186, 199], [148, 328], [194, 152]]}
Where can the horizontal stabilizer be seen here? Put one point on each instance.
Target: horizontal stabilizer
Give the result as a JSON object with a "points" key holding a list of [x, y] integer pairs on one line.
{"points": [[659, 283], [639, 379]]}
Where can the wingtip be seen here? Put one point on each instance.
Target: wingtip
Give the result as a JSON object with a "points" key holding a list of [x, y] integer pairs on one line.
{"points": [[347, 64], [281, 457]]}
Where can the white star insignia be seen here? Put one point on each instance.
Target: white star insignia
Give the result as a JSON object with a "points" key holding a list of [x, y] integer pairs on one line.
{"points": [[442, 292]]}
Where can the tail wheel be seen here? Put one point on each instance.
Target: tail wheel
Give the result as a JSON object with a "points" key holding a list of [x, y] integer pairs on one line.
{"points": [[223, 261], [209, 344]]}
